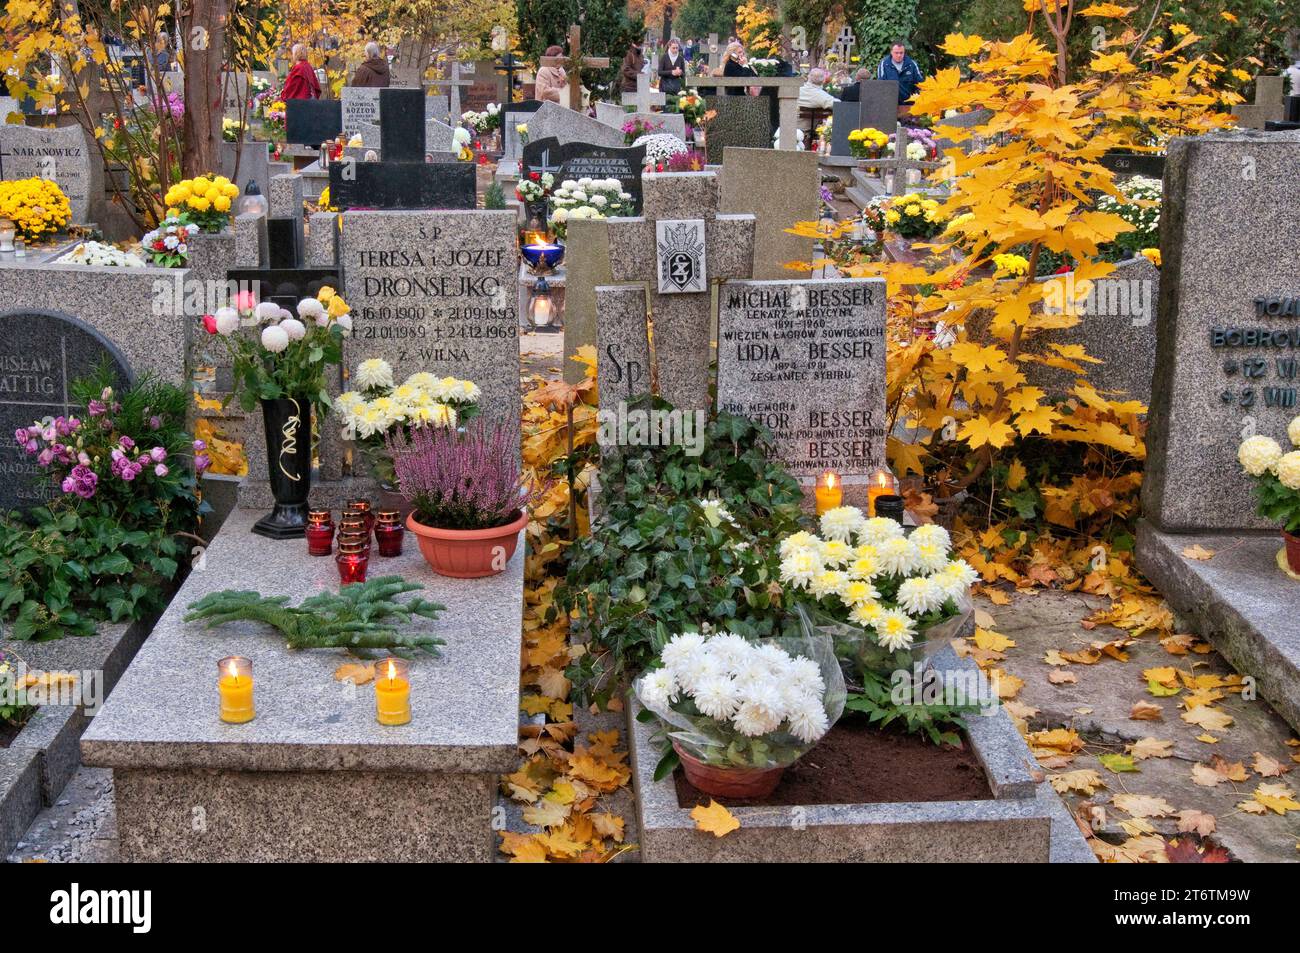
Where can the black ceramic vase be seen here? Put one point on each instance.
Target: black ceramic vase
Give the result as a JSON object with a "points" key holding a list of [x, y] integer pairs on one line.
{"points": [[288, 458]]}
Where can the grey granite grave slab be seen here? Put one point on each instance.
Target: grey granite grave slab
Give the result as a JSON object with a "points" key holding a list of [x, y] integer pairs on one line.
{"points": [[20, 794], [1020, 823], [1239, 600], [552, 119], [314, 755], [778, 188], [322, 240], [64, 155], [438, 136], [254, 164], [622, 345], [674, 124], [741, 121], [807, 359], [1226, 196], [438, 106], [586, 264], [360, 105], [286, 195], [250, 240], [436, 291], [370, 135]]}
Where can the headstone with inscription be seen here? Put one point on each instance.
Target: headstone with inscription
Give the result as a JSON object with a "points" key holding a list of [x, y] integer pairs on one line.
{"points": [[41, 354], [360, 105], [577, 160], [234, 93], [807, 359], [62, 155], [622, 346], [435, 291], [514, 115]]}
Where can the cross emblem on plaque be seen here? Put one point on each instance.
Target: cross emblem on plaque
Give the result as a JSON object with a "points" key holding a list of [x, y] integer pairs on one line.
{"points": [[574, 63]]}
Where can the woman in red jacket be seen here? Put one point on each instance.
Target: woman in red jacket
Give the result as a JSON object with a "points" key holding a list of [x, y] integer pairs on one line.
{"points": [[301, 82]]}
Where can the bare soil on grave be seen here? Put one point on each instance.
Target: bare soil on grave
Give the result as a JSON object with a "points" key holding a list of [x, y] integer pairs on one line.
{"points": [[8, 732], [859, 764]]}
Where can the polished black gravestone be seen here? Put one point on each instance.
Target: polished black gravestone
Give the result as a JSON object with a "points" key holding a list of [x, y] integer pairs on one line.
{"points": [[284, 241], [576, 160], [310, 122], [41, 354], [402, 178], [1135, 163]]}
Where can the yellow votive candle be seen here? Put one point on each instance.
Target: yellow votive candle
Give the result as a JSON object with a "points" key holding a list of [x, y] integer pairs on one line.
{"points": [[882, 484], [392, 692], [829, 491], [235, 685]]}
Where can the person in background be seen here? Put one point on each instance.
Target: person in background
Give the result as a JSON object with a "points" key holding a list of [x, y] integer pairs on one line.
{"points": [[552, 80], [301, 83], [633, 64], [813, 95], [374, 71], [672, 67], [162, 54], [902, 68], [852, 93], [736, 63]]}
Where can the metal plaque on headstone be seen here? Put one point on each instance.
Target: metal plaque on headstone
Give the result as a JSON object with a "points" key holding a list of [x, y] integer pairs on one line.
{"points": [[680, 254], [577, 160], [41, 354]]}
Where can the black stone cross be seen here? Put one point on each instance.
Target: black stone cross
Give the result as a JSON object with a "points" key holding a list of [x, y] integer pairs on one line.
{"points": [[509, 66]]}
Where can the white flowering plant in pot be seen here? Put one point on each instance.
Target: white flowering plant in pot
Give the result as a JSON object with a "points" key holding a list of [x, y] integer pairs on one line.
{"points": [[1277, 484], [379, 406], [587, 198], [729, 704], [276, 353], [876, 590]]}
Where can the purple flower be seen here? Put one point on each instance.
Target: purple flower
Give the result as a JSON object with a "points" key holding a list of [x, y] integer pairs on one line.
{"points": [[81, 481], [158, 455], [160, 470], [201, 462], [20, 436], [31, 446], [200, 445], [126, 442], [155, 422], [83, 458], [46, 457], [96, 408]]}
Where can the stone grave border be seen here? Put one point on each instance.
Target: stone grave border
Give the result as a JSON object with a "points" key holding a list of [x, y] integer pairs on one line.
{"points": [[1025, 821]]}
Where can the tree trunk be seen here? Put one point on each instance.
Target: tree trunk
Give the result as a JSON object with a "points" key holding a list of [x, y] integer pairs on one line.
{"points": [[203, 42]]}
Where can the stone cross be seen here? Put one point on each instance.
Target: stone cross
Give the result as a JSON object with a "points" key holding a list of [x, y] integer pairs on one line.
{"points": [[680, 245], [645, 96], [453, 81], [845, 43], [574, 64], [1270, 103], [714, 51], [508, 66]]}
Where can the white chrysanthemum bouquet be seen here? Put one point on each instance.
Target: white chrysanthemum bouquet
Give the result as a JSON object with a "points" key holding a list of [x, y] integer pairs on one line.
{"points": [[732, 703], [1277, 482], [379, 406], [868, 574]]}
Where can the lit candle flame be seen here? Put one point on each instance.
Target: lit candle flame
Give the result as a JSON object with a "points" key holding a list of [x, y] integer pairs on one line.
{"points": [[830, 479], [392, 670], [234, 672]]}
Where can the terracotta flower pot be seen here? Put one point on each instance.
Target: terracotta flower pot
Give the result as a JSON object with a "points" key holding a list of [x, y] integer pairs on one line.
{"points": [[728, 782], [1292, 551], [467, 553]]}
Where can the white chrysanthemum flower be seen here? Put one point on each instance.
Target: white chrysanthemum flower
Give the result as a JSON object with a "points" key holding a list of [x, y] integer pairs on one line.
{"points": [[797, 542], [895, 629], [805, 676], [715, 697], [227, 320], [275, 339], [1288, 470], [347, 402], [658, 688], [864, 567], [930, 556], [294, 328], [920, 595], [866, 614], [808, 720], [374, 373], [696, 668], [681, 648], [880, 529], [857, 591], [932, 533], [842, 523], [344, 321], [754, 678], [775, 658], [424, 381], [1258, 454], [1293, 431], [897, 556], [731, 650], [266, 311], [836, 552], [310, 309], [828, 582], [799, 567], [715, 512], [757, 717]]}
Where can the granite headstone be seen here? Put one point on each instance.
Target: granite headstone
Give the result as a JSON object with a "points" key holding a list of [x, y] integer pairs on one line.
{"points": [[360, 104], [63, 155], [740, 121], [577, 160], [310, 122], [779, 188]]}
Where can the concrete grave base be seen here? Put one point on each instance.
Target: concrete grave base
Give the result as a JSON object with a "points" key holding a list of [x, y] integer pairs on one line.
{"points": [[1239, 601], [1023, 822]]}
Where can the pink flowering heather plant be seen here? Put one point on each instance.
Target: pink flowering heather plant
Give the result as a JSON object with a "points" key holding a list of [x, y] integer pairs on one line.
{"points": [[461, 479]]}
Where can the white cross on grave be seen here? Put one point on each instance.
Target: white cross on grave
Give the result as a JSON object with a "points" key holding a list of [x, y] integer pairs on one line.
{"points": [[645, 96], [453, 81], [680, 244], [715, 52]]}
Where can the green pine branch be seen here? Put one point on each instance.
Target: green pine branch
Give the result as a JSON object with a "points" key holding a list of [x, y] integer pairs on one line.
{"points": [[360, 617]]}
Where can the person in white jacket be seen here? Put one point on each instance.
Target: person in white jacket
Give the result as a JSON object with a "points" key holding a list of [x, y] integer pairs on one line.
{"points": [[812, 94]]}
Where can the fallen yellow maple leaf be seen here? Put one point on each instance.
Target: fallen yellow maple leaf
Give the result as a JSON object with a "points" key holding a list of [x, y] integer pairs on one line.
{"points": [[1267, 767], [1278, 798], [1143, 805], [1145, 748], [714, 819], [358, 673], [1084, 780], [1146, 711], [1198, 552], [1212, 719]]}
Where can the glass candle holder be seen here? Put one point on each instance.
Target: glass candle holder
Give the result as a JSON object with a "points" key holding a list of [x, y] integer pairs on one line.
{"points": [[891, 506], [389, 533], [829, 491], [882, 484], [393, 691], [235, 686], [366, 510], [352, 560], [320, 533]]}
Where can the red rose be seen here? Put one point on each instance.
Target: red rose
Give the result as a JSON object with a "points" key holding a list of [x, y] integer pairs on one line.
{"points": [[535, 176], [210, 324], [158, 245]]}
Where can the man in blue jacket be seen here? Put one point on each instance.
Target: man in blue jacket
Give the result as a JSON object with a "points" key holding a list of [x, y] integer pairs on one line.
{"points": [[902, 68]]}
